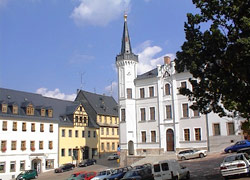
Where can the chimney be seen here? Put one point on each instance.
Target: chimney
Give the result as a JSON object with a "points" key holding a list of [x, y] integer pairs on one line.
{"points": [[167, 60]]}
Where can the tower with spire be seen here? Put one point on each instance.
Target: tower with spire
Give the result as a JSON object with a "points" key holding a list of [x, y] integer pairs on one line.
{"points": [[126, 63]]}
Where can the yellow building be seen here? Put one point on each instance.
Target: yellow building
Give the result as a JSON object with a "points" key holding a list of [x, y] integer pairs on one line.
{"points": [[78, 137], [104, 112]]}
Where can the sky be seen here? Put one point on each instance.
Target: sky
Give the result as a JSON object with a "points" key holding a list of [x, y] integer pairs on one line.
{"points": [[54, 47]]}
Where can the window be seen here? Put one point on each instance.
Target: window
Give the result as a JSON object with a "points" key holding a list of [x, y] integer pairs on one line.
{"points": [[113, 146], [123, 114], [51, 128], [49, 164], [50, 144], [107, 131], [83, 134], [152, 113], [50, 113], [153, 136], [164, 167], [151, 91], [41, 127], [32, 145], [89, 134], [157, 168], [12, 166], [23, 126], [142, 93], [108, 146], [216, 129], [30, 110], [80, 119], [197, 134], [23, 145], [102, 146], [4, 126], [14, 128], [4, 108], [94, 134], [117, 131], [81, 108], [196, 112], [2, 167], [100, 119], [33, 127], [76, 133], [22, 165], [76, 118], [230, 127], [69, 152], [168, 112], [116, 120], [15, 109], [62, 152], [143, 114], [184, 84], [40, 145], [167, 89], [3, 146], [113, 131], [70, 133], [102, 131], [185, 110], [143, 136], [13, 145], [43, 112], [111, 122], [129, 93], [63, 132], [84, 120], [186, 135]]}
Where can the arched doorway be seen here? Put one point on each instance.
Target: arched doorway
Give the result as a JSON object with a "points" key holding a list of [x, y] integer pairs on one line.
{"points": [[170, 140], [36, 164], [130, 148]]}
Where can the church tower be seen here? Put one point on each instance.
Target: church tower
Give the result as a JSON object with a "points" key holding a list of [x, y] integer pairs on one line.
{"points": [[126, 63]]}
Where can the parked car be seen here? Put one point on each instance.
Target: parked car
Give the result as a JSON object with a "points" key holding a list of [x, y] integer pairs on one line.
{"points": [[103, 174], [235, 164], [191, 153], [87, 162], [86, 176], [29, 174], [65, 167], [113, 156], [244, 150], [169, 169], [138, 174], [118, 173], [75, 175], [238, 145]]}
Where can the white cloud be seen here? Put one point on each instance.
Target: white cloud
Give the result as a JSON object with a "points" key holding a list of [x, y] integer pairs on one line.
{"points": [[99, 12], [146, 53], [56, 94]]}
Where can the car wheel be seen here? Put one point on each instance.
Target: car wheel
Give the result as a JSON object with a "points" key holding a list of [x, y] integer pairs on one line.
{"points": [[36, 176], [94, 163], [230, 151], [188, 175], [72, 168], [225, 177], [201, 155], [183, 158], [62, 170]]}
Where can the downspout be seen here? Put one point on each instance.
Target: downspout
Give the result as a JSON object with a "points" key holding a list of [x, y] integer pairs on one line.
{"points": [[158, 103], [173, 113]]}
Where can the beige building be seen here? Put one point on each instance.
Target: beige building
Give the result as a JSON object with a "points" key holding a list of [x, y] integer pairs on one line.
{"points": [[103, 111]]}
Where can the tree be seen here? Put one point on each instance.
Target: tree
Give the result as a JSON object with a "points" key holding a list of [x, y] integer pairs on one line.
{"points": [[217, 53]]}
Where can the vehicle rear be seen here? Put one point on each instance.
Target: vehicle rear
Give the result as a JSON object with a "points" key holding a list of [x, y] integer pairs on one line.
{"points": [[164, 170]]}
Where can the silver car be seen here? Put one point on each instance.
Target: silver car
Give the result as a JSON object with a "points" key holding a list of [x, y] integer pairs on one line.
{"points": [[191, 153], [113, 156]]}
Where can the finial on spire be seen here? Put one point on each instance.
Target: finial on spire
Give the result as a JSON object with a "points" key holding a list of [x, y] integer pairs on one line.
{"points": [[125, 16]]}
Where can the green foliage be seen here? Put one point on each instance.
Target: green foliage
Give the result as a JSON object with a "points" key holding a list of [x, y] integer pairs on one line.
{"points": [[217, 53]]}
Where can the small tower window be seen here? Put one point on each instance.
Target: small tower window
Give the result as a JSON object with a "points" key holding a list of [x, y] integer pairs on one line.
{"points": [[4, 108], [50, 113]]}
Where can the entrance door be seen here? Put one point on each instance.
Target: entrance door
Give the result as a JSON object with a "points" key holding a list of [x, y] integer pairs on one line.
{"points": [[130, 148], [36, 164], [170, 140], [85, 152]]}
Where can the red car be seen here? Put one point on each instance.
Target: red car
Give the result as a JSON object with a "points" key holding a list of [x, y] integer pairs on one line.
{"points": [[86, 176]]}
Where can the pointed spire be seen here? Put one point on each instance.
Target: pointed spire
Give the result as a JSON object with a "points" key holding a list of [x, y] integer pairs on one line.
{"points": [[126, 46]]}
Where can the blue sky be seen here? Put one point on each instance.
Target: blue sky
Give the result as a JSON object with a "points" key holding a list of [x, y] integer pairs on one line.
{"points": [[45, 45]]}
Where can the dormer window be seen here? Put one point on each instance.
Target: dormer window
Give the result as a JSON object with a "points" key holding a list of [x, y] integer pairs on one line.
{"points": [[15, 109], [4, 108], [43, 112], [30, 110], [50, 113]]}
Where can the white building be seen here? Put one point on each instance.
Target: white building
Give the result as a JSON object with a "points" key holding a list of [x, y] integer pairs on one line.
{"points": [[155, 118], [28, 132]]}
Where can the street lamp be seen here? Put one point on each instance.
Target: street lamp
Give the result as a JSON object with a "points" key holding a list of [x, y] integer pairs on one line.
{"points": [[208, 143]]}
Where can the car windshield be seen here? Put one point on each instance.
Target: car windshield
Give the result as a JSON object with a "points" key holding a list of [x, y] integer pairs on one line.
{"points": [[131, 173], [233, 158], [116, 171], [102, 173]]}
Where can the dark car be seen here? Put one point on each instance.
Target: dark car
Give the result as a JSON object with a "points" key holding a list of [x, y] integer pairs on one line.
{"points": [[65, 167], [30, 174], [118, 173], [138, 174], [244, 150], [87, 162], [238, 145]]}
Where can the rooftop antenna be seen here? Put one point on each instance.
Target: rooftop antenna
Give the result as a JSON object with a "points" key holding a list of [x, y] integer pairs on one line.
{"points": [[111, 88]]}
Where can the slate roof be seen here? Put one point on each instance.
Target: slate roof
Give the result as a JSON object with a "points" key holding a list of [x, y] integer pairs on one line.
{"points": [[22, 99], [150, 74]]}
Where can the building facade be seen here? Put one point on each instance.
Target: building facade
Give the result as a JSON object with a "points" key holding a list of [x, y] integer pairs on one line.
{"points": [[155, 118], [103, 111]]}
